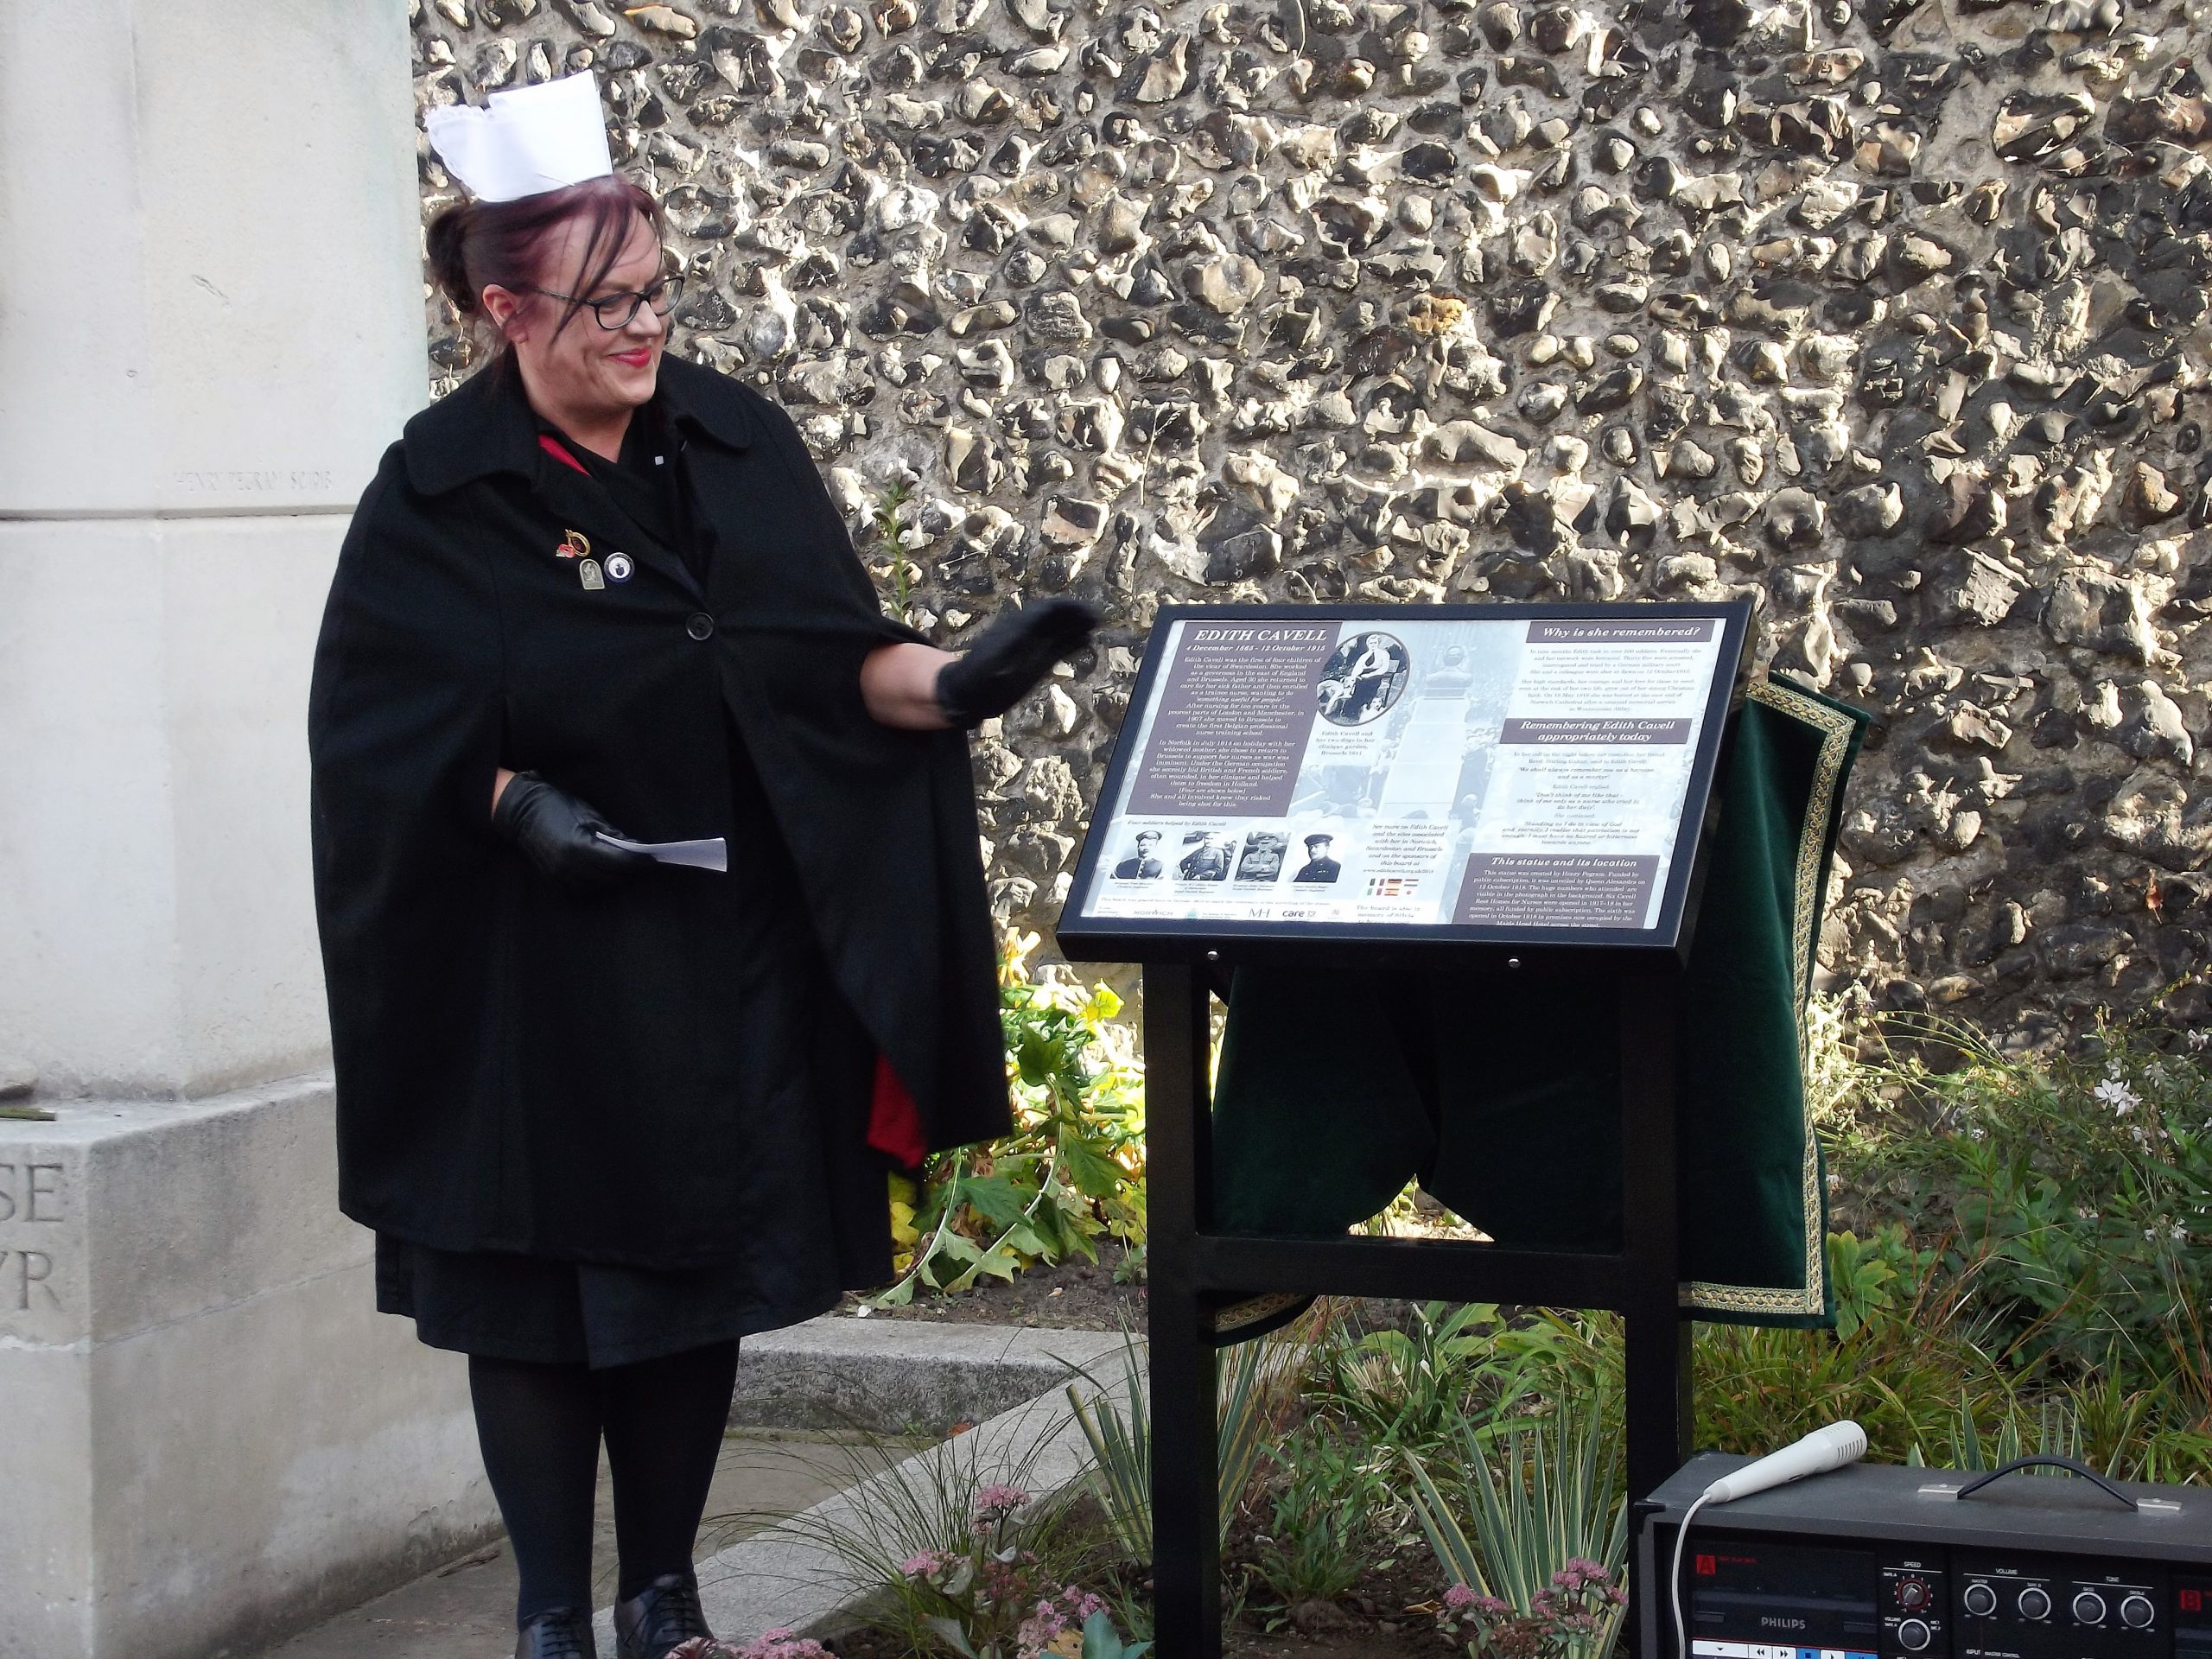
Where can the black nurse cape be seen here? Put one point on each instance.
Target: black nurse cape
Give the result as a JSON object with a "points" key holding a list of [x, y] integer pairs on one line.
{"points": [[520, 1069], [1502, 1095]]}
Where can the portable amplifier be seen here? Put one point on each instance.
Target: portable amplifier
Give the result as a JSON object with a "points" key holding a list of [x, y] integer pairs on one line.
{"points": [[1875, 1563]]}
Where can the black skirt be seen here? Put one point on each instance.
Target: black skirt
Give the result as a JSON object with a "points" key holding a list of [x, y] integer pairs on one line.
{"points": [[812, 1193], [549, 1313]]}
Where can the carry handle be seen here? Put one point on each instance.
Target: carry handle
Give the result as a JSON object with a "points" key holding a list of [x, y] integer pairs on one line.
{"points": [[2044, 1461]]}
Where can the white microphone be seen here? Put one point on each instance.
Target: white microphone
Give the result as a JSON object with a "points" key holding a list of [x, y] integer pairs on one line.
{"points": [[1822, 1449], [1818, 1452]]}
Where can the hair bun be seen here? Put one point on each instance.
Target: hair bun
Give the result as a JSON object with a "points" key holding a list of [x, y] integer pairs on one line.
{"points": [[445, 242]]}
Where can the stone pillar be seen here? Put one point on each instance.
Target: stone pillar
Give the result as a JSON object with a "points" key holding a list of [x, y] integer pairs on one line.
{"points": [[210, 325]]}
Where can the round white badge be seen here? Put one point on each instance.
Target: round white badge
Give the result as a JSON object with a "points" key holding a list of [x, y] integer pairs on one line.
{"points": [[618, 567]]}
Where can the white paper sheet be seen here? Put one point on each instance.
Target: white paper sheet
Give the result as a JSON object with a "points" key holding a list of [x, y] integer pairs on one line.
{"points": [[710, 855]]}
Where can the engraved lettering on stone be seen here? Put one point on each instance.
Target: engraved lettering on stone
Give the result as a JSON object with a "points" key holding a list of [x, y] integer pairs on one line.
{"points": [[247, 482], [26, 1272], [41, 1181], [30, 1193]]}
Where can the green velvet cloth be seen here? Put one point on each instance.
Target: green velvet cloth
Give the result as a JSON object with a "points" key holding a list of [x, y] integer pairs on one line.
{"points": [[1502, 1092]]}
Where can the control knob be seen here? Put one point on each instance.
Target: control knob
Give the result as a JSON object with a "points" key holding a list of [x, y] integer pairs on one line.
{"points": [[1913, 1634], [2035, 1602], [1980, 1600], [2136, 1611], [1912, 1595], [2089, 1608]]}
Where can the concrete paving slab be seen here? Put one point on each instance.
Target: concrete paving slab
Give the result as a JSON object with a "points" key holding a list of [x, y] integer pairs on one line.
{"points": [[465, 1608], [905, 1376], [784, 1577], [879, 1377]]}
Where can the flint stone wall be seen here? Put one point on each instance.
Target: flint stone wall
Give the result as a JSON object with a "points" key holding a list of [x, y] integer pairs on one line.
{"points": [[1888, 312]]}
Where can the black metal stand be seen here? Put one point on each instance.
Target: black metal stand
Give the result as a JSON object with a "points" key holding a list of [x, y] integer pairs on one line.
{"points": [[1193, 1270]]}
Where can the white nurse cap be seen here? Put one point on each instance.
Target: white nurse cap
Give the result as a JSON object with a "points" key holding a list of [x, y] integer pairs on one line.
{"points": [[527, 141]]}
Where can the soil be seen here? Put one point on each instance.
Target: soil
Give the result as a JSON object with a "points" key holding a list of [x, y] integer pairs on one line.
{"points": [[1073, 1296], [1373, 1621], [1389, 1613]]}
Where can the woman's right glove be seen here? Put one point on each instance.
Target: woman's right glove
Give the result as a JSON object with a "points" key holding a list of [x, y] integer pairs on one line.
{"points": [[559, 835], [1018, 650]]}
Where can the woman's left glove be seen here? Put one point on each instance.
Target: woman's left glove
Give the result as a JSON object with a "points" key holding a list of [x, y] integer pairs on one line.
{"points": [[559, 835], [1011, 656]]}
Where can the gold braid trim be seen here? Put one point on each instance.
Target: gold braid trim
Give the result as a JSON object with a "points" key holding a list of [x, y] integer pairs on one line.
{"points": [[1835, 728]]}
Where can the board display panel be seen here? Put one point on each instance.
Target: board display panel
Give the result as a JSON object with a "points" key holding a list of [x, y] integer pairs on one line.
{"points": [[1508, 775]]}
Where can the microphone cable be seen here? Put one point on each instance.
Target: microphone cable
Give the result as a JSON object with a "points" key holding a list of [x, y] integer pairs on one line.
{"points": [[1675, 1575]]}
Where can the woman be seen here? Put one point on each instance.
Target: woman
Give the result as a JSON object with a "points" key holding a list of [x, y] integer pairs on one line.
{"points": [[607, 1116]]}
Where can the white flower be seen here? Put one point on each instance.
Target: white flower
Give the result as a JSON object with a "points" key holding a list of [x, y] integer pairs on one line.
{"points": [[2118, 1095], [2180, 1233], [2198, 1038]]}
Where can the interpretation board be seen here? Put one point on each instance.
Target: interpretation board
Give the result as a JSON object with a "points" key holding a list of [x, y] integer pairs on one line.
{"points": [[1496, 774]]}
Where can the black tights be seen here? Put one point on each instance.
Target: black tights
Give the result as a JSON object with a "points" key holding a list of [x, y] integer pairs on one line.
{"points": [[540, 1426]]}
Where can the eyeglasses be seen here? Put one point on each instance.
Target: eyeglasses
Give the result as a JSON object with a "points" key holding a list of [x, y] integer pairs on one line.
{"points": [[615, 310]]}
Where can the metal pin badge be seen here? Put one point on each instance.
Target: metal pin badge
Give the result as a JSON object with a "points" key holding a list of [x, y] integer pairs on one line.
{"points": [[590, 572], [574, 546], [618, 567]]}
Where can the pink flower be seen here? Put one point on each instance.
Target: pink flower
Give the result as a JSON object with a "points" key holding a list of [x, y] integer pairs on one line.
{"points": [[774, 1644], [1458, 1597], [922, 1565], [996, 1503]]}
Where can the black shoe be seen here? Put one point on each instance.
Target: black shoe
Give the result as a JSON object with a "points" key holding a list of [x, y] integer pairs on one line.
{"points": [[660, 1619], [564, 1633]]}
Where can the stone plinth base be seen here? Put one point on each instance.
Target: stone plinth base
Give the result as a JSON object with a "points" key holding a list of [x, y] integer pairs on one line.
{"points": [[212, 1436]]}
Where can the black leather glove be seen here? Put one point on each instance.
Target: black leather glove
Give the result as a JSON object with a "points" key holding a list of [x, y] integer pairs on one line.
{"points": [[559, 835], [1018, 650]]}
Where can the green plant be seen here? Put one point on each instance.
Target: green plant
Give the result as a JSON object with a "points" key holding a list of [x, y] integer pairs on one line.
{"points": [[2074, 1192], [1409, 1387], [1118, 1425], [1102, 1641], [1072, 1172], [1119, 1432], [993, 1598], [1578, 1606], [1912, 1362], [947, 1541], [1514, 1508], [889, 537], [1867, 1275], [2137, 1433], [1317, 1543]]}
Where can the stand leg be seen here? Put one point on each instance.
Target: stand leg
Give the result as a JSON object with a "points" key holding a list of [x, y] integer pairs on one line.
{"points": [[1658, 1359], [1185, 1440]]}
